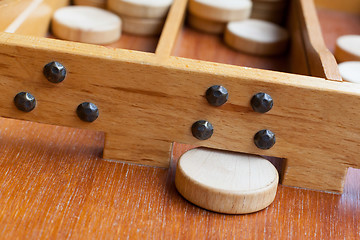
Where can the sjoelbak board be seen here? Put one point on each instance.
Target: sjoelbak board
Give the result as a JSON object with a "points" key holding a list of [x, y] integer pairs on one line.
{"points": [[148, 101]]}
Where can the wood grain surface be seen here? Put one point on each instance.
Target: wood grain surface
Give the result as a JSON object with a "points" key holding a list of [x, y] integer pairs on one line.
{"points": [[55, 186]]}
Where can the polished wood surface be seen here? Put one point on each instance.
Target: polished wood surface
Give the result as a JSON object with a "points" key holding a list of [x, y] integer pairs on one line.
{"points": [[54, 185], [352, 6]]}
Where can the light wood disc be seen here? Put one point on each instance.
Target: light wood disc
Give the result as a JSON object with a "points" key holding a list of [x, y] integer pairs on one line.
{"points": [[348, 48], [226, 182], [350, 71], [140, 8], [221, 10], [86, 24], [256, 37]]}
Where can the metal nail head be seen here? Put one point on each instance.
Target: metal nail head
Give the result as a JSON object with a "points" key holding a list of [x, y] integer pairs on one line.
{"points": [[87, 111], [217, 95], [262, 102], [24, 101], [55, 72], [202, 130], [264, 139]]}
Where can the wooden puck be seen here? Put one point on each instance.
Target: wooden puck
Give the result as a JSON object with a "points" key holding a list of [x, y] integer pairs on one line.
{"points": [[86, 24], [92, 3], [348, 48], [140, 8], [256, 37], [221, 11], [205, 25], [226, 182], [350, 71], [142, 26]]}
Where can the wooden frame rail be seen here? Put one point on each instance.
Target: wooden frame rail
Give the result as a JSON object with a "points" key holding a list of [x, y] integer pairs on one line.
{"points": [[148, 101]]}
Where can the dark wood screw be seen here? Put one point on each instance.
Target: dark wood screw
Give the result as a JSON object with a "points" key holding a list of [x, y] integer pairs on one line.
{"points": [[262, 102], [217, 95], [264, 139], [87, 111], [24, 101], [55, 72], [202, 130]]}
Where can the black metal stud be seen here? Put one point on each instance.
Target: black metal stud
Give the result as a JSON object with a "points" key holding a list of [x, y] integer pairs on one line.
{"points": [[262, 102], [24, 101], [55, 72], [217, 95], [87, 111], [202, 130], [264, 139]]}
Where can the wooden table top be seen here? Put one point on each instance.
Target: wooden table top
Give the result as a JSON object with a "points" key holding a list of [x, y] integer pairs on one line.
{"points": [[55, 185]]}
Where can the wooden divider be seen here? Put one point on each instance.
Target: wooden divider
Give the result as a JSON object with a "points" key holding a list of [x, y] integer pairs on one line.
{"points": [[173, 25], [321, 62]]}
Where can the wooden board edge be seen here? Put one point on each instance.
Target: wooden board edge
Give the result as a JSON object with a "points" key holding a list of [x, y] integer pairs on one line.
{"points": [[321, 61]]}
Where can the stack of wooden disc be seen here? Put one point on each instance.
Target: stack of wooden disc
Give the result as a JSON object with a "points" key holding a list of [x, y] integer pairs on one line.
{"points": [[92, 3], [211, 16], [269, 10], [141, 17]]}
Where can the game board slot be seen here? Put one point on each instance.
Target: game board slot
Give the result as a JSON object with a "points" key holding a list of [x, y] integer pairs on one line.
{"points": [[33, 18], [306, 52], [195, 44]]}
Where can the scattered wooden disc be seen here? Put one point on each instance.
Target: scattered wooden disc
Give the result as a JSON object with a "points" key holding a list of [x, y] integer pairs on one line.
{"points": [[142, 26], [86, 24], [350, 71], [348, 48], [256, 37], [92, 3], [226, 182], [140, 8], [221, 10], [206, 25]]}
